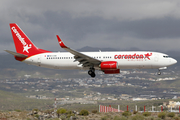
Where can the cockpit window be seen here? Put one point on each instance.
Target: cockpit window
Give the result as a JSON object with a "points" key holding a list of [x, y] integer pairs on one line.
{"points": [[165, 56]]}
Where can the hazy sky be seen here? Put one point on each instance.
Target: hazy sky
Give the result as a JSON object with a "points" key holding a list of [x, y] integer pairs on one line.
{"points": [[120, 24]]}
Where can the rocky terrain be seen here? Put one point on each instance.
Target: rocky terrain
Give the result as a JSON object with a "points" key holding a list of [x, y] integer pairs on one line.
{"points": [[94, 115]]}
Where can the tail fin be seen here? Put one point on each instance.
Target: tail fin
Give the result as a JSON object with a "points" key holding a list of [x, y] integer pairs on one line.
{"points": [[22, 43]]}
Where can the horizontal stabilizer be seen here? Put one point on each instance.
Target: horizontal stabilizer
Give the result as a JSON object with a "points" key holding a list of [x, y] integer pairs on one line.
{"points": [[16, 54]]}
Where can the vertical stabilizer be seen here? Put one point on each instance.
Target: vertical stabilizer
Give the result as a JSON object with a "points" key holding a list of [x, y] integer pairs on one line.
{"points": [[22, 43]]}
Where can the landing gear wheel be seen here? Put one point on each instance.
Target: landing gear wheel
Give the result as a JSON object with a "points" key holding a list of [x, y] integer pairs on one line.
{"points": [[93, 75], [91, 72], [159, 73]]}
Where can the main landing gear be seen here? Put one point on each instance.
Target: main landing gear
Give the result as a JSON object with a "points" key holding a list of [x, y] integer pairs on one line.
{"points": [[91, 72]]}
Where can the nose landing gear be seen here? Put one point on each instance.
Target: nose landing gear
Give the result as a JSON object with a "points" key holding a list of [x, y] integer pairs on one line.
{"points": [[91, 72], [159, 72], [162, 68]]}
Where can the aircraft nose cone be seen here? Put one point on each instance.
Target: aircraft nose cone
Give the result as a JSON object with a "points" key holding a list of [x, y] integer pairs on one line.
{"points": [[173, 61]]}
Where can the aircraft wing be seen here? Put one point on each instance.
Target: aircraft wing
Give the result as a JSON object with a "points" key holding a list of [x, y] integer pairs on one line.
{"points": [[83, 59]]}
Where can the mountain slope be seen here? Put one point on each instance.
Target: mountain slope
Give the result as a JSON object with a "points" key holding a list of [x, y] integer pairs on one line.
{"points": [[11, 101]]}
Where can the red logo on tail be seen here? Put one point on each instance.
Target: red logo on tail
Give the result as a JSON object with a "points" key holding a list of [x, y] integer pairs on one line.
{"points": [[26, 48]]}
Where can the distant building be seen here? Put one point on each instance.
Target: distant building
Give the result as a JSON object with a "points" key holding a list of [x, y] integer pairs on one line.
{"points": [[139, 99], [173, 104], [125, 96]]}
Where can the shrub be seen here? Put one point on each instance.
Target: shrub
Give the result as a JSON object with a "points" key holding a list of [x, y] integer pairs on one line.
{"points": [[68, 112], [55, 119], [109, 116], [135, 112], [63, 117], [146, 114], [137, 117], [176, 118], [126, 113], [117, 118], [35, 109], [17, 110], [151, 118], [158, 119], [94, 111], [69, 115], [162, 115], [171, 114], [123, 118], [84, 113], [37, 116], [60, 111], [104, 118], [49, 111]]}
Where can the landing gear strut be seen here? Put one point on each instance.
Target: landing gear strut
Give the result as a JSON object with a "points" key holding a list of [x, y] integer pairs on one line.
{"points": [[91, 72], [162, 68]]}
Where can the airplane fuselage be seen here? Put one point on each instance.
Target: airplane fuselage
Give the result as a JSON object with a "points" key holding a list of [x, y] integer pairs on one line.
{"points": [[125, 60]]}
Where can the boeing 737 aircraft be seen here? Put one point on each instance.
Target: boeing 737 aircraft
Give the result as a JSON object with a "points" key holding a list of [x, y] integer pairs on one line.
{"points": [[108, 62]]}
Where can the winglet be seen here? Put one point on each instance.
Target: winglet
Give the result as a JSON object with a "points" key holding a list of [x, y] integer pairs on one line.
{"points": [[61, 42]]}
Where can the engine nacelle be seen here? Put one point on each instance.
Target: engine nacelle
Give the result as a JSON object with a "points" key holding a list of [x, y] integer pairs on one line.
{"points": [[109, 65]]}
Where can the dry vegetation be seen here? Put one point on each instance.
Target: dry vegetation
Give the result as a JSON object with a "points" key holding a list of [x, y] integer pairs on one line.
{"points": [[29, 115]]}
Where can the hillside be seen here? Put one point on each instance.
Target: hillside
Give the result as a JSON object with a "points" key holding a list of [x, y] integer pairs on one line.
{"points": [[12, 101]]}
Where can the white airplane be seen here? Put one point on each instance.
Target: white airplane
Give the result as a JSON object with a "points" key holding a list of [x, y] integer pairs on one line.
{"points": [[108, 62]]}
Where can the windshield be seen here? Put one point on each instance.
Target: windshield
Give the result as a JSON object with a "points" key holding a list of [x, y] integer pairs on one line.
{"points": [[166, 56]]}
